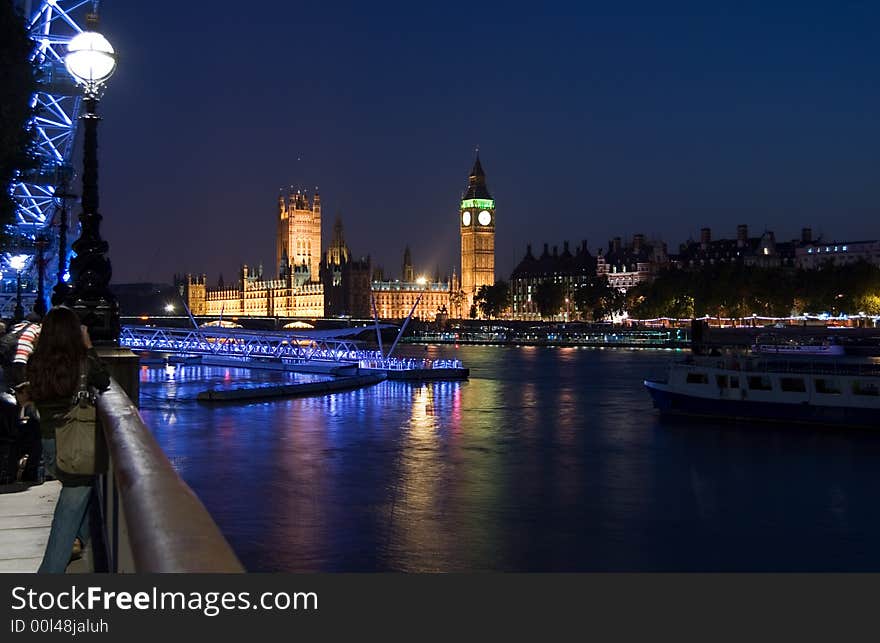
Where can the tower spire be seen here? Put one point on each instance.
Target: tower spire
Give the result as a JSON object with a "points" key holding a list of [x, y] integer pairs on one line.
{"points": [[477, 188]]}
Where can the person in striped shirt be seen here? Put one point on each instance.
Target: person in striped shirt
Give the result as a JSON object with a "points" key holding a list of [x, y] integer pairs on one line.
{"points": [[25, 347]]}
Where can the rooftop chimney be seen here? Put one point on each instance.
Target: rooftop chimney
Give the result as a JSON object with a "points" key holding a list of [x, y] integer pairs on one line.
{"points": [[807, 235], [742, 234], [705, 236]]}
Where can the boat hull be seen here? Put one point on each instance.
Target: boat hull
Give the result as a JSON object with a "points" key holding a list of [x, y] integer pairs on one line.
{"points": [[670, 402]]}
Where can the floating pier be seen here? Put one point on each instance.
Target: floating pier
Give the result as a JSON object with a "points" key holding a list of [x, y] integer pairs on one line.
{"points": [[247, 394]]}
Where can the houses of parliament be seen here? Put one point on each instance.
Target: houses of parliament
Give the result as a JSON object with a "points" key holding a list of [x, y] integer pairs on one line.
{"points": [[311, 282]]}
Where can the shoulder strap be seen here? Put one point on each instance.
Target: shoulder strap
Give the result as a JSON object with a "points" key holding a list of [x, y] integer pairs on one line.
{"points": [[82, 390]]}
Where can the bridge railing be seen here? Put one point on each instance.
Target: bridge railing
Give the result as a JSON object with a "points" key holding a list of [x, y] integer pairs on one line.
{"points": [[153, 522]]}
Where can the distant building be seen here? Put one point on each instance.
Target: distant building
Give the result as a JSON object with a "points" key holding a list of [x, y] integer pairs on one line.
{"points": [[296, 292], [628, 265], [811, 256], [477, 228], [569, 270], [298, 241], [346, 281], [291, 296], [762, 251], [396, 298]]}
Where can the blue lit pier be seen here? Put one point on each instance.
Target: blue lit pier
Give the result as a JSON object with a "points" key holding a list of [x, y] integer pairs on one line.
{"points": [[287, 351]]}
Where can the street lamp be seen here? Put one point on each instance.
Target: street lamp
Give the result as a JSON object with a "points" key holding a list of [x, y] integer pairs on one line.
{"points": [[91, 61]]}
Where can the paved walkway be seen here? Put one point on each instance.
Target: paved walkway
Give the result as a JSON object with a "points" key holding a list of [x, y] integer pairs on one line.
{"points": [[25, 518]]}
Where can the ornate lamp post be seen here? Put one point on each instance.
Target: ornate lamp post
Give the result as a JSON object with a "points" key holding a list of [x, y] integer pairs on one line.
{"points": [[61, 289], [40, 303], [91, 61]]}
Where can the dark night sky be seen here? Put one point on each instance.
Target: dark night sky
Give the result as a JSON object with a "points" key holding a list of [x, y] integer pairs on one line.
{"points": [[594, 119]]}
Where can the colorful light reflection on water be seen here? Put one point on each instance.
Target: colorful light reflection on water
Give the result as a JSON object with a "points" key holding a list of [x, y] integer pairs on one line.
{"points": [[546, 459]]}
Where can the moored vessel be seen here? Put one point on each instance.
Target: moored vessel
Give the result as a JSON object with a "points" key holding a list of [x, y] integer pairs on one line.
{"points": [[824, 391]]}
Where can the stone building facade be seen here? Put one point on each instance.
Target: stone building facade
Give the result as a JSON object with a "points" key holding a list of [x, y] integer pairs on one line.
{"points": [[346, 280], [570, 270], [627, 265], [254, 296], [298, 240]]}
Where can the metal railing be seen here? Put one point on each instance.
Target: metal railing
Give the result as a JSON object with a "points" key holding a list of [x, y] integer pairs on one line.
{"points": [[152, 520]]}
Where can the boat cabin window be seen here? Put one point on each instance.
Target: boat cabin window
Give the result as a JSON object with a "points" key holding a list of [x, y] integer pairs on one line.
{"points": [[722, 381], [865, 388], [827, 387], [760, 383], [734, 381], [697, 378], [793, 384]]}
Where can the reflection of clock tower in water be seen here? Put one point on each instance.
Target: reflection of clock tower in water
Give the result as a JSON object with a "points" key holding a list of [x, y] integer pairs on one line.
{"points": [[477, 221]]}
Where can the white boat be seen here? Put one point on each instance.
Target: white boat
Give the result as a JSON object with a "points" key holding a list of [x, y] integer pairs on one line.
{"points": [[832, 392], [774, 346]]}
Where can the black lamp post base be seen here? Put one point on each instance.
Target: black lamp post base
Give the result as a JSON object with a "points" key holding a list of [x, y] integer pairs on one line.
{"points": [[102, 318]]}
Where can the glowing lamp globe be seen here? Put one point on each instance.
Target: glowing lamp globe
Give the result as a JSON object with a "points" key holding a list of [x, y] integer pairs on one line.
{"points": [[90, 58]]}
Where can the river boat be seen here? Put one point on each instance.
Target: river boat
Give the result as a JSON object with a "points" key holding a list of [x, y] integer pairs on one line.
{"points": [[773, 345], [841, 392]]}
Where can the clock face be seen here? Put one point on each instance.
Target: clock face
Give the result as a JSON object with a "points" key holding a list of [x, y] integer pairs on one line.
{"points": [[465, 218], [485, 218]]}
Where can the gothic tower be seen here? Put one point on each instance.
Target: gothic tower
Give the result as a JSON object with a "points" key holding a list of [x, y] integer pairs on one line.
{"points": [[407, 274], [299, 233], [477, 225]]}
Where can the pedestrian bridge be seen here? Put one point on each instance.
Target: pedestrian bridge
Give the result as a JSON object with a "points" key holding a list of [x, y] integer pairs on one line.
{"points": [[280, 346]]}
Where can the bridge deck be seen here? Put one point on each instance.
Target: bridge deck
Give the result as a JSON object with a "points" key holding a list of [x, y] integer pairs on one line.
{"points": [[25, 519]]}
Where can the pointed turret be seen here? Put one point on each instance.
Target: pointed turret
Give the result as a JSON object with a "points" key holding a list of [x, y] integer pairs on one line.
{"points": [[477, 182], [408, 272]]}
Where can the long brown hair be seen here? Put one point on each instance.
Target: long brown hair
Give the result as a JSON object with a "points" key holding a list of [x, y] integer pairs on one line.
{"points": [[53, 369]]}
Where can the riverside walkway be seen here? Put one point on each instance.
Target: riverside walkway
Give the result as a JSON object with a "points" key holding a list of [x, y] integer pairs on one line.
{"points": [[150, 520], [25, 519]]}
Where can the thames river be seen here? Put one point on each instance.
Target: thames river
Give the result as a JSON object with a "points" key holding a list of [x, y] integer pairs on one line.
{"points": [[545, 460]]}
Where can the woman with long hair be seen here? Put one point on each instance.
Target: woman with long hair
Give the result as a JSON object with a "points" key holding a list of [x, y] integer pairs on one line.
{"points": [[63, 352]]}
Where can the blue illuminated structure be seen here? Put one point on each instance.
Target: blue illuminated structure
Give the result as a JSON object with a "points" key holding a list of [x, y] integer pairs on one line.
{"points": [[254, 348], [42, 194]]}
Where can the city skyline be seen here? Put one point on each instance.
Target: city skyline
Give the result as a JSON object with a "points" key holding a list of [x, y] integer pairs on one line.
{"points": [[591, 125]]}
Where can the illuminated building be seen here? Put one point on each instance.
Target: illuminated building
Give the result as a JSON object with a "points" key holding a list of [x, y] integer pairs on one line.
{"points": [[628, 265], [296, 292], [291, 296], [394, 299], [816, 254], [477, 227], [299, 233]]}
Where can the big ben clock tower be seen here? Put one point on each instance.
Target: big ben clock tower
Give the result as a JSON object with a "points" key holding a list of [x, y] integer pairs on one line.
{"points": [[477, 224]]}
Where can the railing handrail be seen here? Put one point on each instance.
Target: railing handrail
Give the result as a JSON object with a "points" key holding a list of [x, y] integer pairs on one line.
{"points": [[169, 529]]}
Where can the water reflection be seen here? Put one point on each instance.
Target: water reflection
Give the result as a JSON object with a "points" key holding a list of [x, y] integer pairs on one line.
{"points": [[543, 460]]}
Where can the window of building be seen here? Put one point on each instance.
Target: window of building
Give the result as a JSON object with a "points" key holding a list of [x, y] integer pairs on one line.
{"points": [[721, 380], [793, 384], [828, 387], [734, 381]]}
